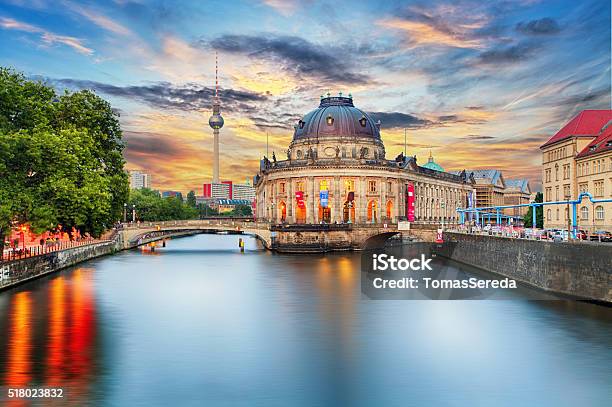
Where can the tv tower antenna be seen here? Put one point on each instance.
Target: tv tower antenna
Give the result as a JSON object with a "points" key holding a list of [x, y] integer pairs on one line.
{"points": [[216, 122]]}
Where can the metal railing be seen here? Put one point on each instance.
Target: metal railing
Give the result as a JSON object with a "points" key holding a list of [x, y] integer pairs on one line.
{"points": [[12, 254]]}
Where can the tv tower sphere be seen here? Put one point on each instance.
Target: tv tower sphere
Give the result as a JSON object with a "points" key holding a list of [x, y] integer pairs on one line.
{"points": [[216, 121]]}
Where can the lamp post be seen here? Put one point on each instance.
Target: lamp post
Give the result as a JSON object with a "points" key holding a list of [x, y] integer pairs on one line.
{"points": [[124, 212], [133, 213]]}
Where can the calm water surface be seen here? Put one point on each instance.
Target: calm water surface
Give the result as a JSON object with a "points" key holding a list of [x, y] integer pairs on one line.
{"points": [[198, 323]]}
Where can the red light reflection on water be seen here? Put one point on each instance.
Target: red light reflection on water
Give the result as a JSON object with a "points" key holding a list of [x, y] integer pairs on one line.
{"points": [[51, 336]]}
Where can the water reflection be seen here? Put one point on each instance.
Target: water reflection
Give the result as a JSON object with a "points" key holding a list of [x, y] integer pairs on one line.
{"points": [[200, 321], [51, 336], [19, 349]]}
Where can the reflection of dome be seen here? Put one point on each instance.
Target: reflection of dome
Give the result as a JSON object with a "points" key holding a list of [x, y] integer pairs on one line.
{"points": [[432, 165], [216, 121], [336, 116]]}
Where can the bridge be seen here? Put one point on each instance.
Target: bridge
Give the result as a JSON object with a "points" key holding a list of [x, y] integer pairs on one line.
{"points": [[294, 238]]}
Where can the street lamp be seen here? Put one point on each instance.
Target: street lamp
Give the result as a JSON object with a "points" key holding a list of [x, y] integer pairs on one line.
{"points": [[124, 212], [133, 213]]}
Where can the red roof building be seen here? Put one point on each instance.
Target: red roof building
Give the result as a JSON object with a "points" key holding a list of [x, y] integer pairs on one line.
{"points": [[578, 159], [587, 123], [601, 144]]}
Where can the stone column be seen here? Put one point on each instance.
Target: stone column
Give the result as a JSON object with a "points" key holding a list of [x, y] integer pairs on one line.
{"points": [[396, 207], [290, 201], [361, 212], [383, 199], [337, 210], [274, 186], [310, 201]]}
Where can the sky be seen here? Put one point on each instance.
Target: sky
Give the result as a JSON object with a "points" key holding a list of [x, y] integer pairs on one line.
{"points": [[479, 84]]}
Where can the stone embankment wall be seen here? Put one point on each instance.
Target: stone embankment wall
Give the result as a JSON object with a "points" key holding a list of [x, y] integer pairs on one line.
{"points": [[20, 271], [582, 270]]}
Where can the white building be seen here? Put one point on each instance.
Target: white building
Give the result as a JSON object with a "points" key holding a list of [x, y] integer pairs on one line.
{"points": [[139, 179], [243, 191]]}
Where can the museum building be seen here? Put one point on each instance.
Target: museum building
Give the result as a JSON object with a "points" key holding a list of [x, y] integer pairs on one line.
{"points": [[336, 171]]}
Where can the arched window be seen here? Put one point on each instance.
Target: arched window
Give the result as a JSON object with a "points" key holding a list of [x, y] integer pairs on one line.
{"points": [[330, 120], [599, 212], [557, 214], [584, 213]]}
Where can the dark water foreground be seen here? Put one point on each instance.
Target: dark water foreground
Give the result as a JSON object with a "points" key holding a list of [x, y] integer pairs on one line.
{"points": [[198, 323]]}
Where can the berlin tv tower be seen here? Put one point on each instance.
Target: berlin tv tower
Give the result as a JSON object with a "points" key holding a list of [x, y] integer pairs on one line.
{"points": [[216, 122]]}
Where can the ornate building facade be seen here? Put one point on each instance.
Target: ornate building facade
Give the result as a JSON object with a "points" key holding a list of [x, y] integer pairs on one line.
{"points": [[335, 171], [578, 158]]}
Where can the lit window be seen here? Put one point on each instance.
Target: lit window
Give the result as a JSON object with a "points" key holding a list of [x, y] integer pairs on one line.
{"points": [[323, 185], [349, 185], [329, 120]]}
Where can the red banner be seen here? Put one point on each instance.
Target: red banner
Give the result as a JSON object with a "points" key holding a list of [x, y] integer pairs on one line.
{"points": [[410, 202], [299, 197]]}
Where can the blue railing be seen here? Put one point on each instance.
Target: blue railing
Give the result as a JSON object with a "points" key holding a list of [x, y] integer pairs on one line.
{"points": [[489, 210]]}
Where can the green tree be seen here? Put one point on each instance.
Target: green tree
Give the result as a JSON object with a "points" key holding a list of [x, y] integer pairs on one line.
{"points": [[528, 219], [204, 210], [191, 199], [151, 207], [60, 158], [242, 210]]}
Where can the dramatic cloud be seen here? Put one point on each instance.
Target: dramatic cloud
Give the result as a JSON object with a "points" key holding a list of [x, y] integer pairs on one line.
{"points": [[295, 54], [477, 137], [391, 120], [507, 55], [441, 25], [165, 95], [47, 37], [543, 26]]}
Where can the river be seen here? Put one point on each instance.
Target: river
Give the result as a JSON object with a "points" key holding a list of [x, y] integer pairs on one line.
{"points": [[199, 323]]}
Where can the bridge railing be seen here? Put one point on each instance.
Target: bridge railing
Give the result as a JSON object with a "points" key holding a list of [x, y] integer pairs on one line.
{"points": [[232, 223]]}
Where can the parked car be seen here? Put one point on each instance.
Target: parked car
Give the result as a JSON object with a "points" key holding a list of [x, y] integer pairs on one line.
{"points": [[582, 234], [601, 235], [560, 235]]}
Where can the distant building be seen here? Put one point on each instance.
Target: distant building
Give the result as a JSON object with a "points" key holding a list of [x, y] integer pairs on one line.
{"points": [[139, 179], [517, 192], [243, 191], [221, 190], [228, 205], [432, 165], [490, 187], [578, 158], [168, 194]]}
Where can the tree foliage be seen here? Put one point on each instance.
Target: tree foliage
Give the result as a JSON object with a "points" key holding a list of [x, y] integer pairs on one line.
{"points": [[242, 210], [528, 219], [151, 207], [191, 199], [61, 157]]}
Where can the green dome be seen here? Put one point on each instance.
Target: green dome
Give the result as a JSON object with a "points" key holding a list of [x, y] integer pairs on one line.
{"points": [[432, 165]]}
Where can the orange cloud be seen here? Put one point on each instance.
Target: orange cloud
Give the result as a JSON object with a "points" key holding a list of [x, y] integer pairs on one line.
{"points": [[420, 33]]}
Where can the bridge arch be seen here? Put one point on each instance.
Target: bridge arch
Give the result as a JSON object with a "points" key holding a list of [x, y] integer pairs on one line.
{"points": [[377, 241]]}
